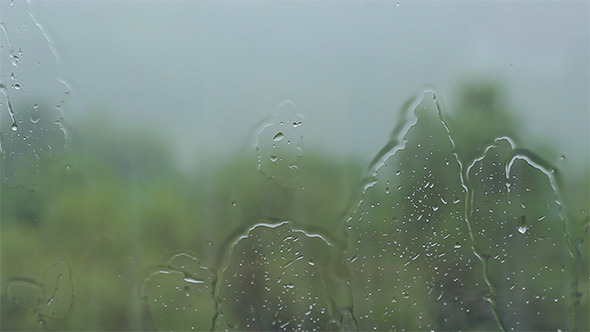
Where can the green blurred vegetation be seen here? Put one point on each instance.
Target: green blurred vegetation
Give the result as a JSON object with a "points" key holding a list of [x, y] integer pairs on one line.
{"points": [[117, 209]]}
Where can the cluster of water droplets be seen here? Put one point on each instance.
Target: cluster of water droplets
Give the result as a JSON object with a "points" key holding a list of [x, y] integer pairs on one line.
{"points": [[417, 227], [516, 221], [279, 144], [482, 231], [179, 295], [469, 226], [268, 280], [31, 94], [431, 243]]}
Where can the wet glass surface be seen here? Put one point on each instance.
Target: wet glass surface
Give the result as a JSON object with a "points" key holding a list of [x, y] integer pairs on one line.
{"points": [[294, 166]]}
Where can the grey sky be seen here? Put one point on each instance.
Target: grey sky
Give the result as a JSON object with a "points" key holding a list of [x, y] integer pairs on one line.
{"points": [[205, 73]]}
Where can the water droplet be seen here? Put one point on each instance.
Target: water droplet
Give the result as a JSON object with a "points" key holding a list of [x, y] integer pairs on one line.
{"points": [[193, 280], [279, 136], [274, 158], [14, 126], [16, 86], [234, 204], [521, 224]]}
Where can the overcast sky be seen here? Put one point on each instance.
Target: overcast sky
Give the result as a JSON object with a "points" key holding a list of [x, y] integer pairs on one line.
{"points": [[203, 74]]}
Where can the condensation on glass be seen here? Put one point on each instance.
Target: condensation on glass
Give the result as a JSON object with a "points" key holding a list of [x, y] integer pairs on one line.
{"points": [[434, 238], [31, 97]]}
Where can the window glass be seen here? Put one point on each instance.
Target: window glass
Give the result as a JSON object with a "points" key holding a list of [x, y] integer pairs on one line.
{"points": [[178, 165]]}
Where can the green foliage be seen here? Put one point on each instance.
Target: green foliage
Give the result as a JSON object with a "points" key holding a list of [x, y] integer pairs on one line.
{"points": [[116, 209]]}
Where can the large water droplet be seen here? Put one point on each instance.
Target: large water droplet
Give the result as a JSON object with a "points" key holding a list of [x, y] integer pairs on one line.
{"points": [[521, 224], [25, 293], [279, 136], [193, 280]]}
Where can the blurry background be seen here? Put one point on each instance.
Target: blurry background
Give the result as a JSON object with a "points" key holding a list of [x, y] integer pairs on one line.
{"points": [[202, 71], [166, 109]]}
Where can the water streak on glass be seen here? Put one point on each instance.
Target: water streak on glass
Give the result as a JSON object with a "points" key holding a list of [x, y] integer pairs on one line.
{"points": [[31, 94], [516, 218], [51, 299], [159, 219], [277, 278], [180, 296], [279, 144], [409, 220]]}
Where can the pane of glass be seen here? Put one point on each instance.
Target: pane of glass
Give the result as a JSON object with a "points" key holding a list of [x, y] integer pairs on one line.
{"points": [[294, 165]]}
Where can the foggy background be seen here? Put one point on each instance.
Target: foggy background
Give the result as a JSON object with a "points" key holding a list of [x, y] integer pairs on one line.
{"points": [[130, 132], [204, 73]]}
